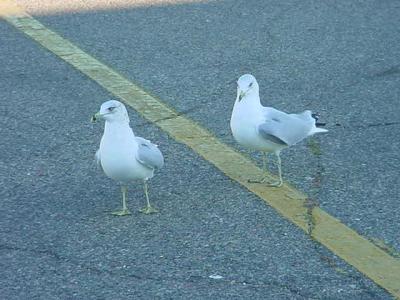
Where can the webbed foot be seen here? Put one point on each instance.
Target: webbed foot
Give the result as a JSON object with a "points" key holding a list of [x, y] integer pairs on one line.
{"points": [[120, 213], [268, 183], [149, 210]]}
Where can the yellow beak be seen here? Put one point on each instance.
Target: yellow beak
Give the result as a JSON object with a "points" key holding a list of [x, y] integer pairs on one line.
{"points": [[241, 95], [95, 117]]}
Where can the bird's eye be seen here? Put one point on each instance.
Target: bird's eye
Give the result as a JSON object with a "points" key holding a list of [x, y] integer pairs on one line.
{"points": [[111, 108], [251, 84]]}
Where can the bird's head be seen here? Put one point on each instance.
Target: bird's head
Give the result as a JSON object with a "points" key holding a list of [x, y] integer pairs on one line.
{"points": [[112, 111], [246, 84]]}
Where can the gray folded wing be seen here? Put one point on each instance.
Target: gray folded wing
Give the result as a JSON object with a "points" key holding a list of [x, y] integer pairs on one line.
{"points": [[97, 159], [285, 129], [148, 154], [268, 131]]}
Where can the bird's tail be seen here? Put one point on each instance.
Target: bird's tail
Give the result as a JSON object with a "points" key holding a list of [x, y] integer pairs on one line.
{"points": [[317, 130], [315, 116]]}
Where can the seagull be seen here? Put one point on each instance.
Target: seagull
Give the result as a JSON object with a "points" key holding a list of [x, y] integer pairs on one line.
{"points": [[123, 156], [267, 129]]}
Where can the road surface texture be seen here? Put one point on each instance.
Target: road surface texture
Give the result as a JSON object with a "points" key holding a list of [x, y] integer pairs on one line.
{"points": [[212, 239]]}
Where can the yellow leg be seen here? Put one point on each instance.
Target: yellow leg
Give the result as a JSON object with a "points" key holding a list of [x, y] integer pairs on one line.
{"points": [[125, 211], [280, 182], [265, 172], [148, 209], [264, 169]]}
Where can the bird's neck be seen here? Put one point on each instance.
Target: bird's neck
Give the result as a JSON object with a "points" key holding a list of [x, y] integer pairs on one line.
{"points": [[250, 102], [115, 129]]}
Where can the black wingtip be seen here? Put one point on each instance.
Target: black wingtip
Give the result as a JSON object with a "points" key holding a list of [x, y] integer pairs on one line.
{"points": [[316, 117]]}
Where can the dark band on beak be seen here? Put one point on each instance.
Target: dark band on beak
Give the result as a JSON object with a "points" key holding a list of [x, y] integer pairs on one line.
{"points": [[241, 95], [96, 117]]}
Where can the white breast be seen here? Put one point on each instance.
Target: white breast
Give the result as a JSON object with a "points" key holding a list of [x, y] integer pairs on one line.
{"points": [[118, 156], [244, 123]]}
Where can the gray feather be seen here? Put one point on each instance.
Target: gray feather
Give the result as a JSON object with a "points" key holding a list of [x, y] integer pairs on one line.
{"points": [[266, 131], [148, 154], [97, 160], [286, 129]]}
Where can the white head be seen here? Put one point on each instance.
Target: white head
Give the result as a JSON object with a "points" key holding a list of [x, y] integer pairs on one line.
{"points": [[246, 85], [112, 111]]}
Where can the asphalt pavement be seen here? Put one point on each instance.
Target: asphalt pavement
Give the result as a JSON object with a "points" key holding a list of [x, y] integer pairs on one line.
{"points": [[212, 239]]}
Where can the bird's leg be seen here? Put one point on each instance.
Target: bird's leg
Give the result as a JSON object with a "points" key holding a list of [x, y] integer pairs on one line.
{"points": [[264, 168], [148, 209], [280, 181], [264, 178], [125, 211]]}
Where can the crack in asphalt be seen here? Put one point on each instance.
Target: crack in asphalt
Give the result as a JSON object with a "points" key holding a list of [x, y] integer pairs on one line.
{"points": [[367, 125], [311, 203], [187, 279]]}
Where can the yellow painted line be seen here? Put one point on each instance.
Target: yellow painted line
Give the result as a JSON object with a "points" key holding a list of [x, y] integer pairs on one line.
{"points": [[9, 8], [289, 202], [47, 7]]}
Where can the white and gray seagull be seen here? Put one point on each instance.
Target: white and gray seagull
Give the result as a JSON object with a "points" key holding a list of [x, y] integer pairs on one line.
{"points": [[123, 156], [267, 129]]}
